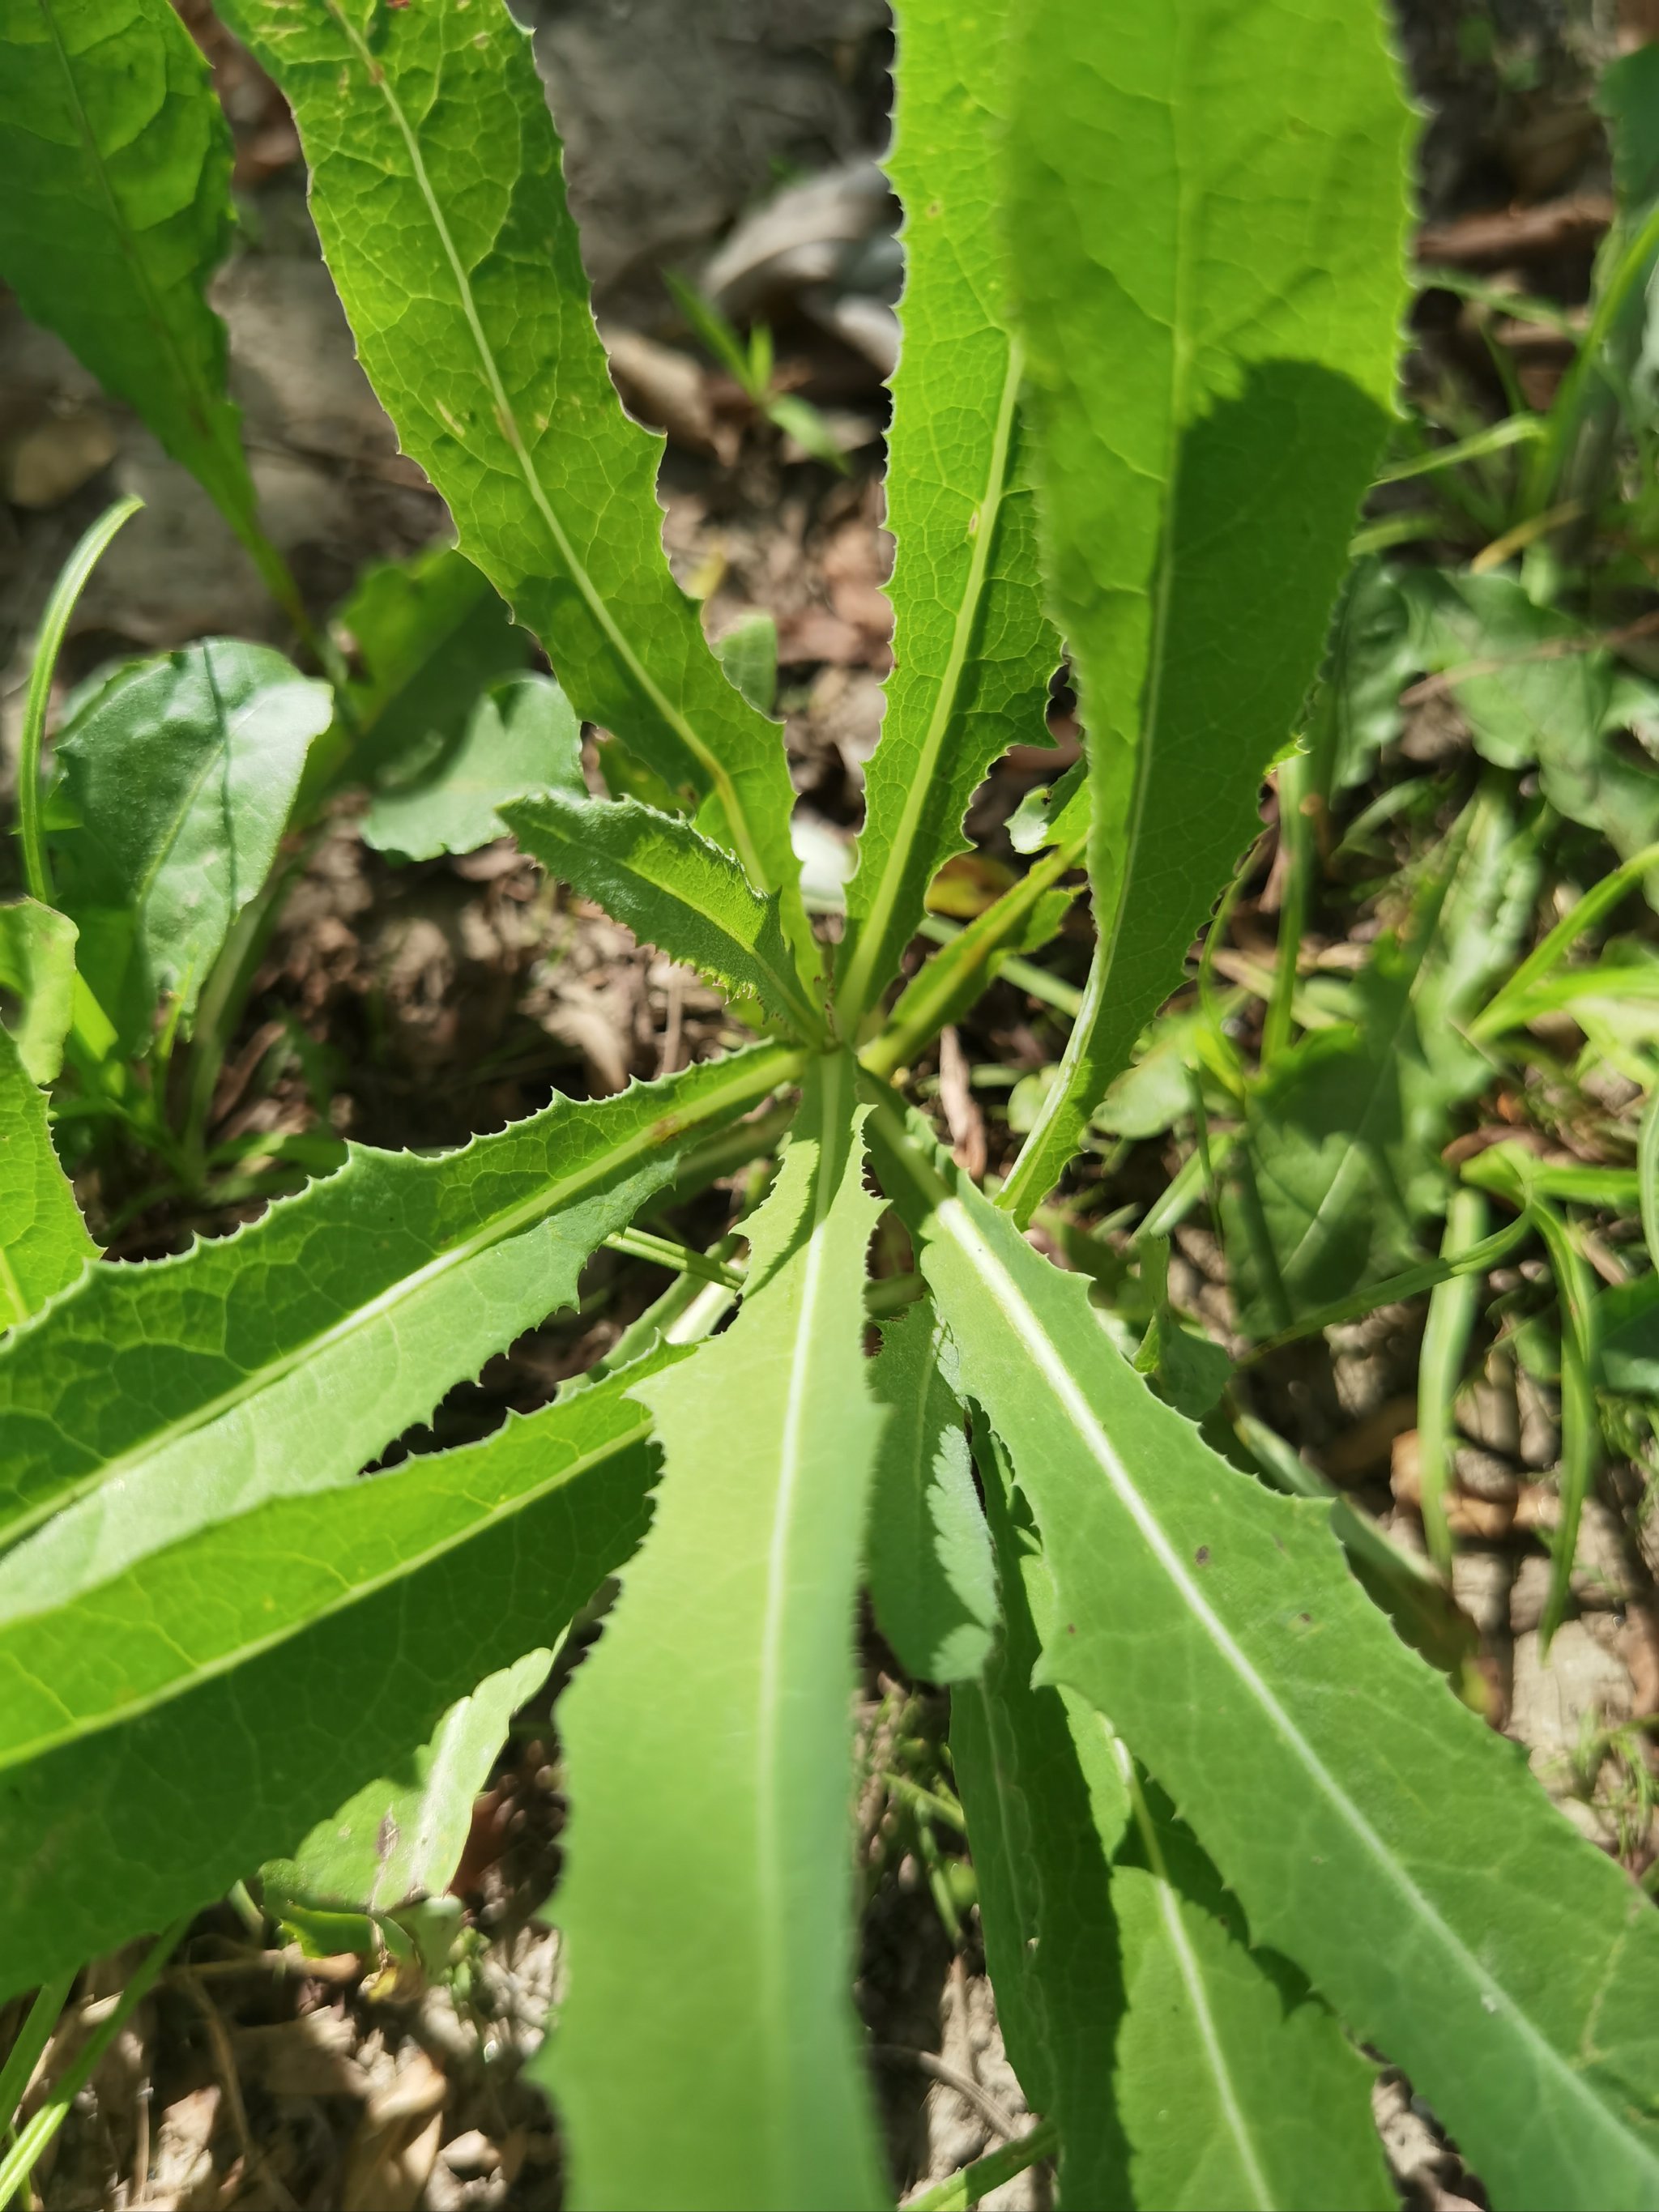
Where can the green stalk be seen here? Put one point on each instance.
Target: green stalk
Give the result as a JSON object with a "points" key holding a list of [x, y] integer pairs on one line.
{"points": [[929, 1000], [25, 2154], [1452, 1306], [1502, 1011], [32, 2039], [1427, 1275], [71, 582], [961, 2192]]}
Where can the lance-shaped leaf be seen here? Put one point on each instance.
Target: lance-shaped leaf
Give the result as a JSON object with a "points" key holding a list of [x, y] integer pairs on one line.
{"points": [[1207, 218], [674, 889], [973, 652], [1186, 2069], [197, 1713], [44, 1243], [158, 1398], [706, 2056], [1372, 1828], [435, 184], [178, 774], [116, 211], [929, 1559]]}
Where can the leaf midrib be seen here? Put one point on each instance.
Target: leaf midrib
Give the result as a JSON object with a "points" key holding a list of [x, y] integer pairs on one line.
{"points": [[1192, 1977], [351, 1594], [598, 606], [954, 1219], [895, 870], [773, 1976], [756, 1077]]}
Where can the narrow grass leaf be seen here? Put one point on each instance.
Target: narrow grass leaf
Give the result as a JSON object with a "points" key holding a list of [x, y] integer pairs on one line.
{"points": [[929, 1565], [707, 2055], [437, 188], [155, 1398], [973, 650], [1370, 1826], [199, 1712], [674, 889], [116, 213], [44, 1243], [1207, 221]]}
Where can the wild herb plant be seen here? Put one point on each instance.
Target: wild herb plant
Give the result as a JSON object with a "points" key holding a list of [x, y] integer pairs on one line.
{"points": [[1228, 1827]]}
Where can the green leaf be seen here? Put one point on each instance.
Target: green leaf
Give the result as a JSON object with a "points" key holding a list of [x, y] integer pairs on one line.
{"points": [[1356, 710], [522, 736], [1207, 225], [158, 1398], [44, 1243], [37, 968], [1627, 1330], [425, 636], [673, 889], [399, 1838], [1536, 687], [180, 774], [436, 189], [929, 1564], [116, 212], [1371, 1826], [973, 652], [203, 1708], [1040, 1845], [749, 654], [1114, 1948], [707, 2055], [1339, 1165]]}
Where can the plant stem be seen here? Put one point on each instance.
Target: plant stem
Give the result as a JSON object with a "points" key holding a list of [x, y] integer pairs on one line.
{"points": [[1446, 1333], [664, 1252], [32, 2039], [71, 582], [962, 2190], [1501, 1012], [25, 2154]]}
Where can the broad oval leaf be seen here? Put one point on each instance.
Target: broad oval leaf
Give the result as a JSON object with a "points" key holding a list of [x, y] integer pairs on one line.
{"points": [[179, 775], [674, 889], [973, 651], [519, 737], [116, 213], [157, 1398], [1207, 219], [706, 2055], [37, 969], [195, 1713], [1374, 1830], [437, 188]]}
